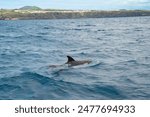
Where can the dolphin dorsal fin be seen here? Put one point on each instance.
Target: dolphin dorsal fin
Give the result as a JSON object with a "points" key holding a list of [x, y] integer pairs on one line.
{"points": [[70, 59]]}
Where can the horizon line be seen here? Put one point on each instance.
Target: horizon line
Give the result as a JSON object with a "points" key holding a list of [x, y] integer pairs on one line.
{"points": [[73, 9], [107, 9]]}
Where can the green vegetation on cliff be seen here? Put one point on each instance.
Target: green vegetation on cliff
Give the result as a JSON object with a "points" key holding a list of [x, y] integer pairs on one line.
{"points": [[32, 12], [30, 8]]}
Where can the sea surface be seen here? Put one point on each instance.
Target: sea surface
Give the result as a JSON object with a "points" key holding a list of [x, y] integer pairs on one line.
{"points": [[119, 49]]}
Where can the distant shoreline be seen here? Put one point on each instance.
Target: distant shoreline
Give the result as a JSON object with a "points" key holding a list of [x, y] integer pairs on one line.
{"points": [[18, 14]]}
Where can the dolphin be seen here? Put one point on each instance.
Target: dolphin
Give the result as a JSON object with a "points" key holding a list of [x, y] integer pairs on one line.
{"points": [[73, 62]]}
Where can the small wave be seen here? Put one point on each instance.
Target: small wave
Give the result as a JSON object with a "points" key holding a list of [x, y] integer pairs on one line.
{"points": [[101, 30], [22, 36], [88, 25], [138, 29], [43, 33], [38, 36], [3, 36], [46, 27], [132, 62], [96, 64], [9, 87], [77, 29], [56, 71], [129, 62], [34, 76], [99, 38], [111, 92]]}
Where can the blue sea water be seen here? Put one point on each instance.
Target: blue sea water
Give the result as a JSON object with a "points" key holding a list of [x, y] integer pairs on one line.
{"points": [[118, 47]]}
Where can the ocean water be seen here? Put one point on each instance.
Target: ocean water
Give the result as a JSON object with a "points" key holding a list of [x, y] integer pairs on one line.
{"points": [[118, 47]]}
